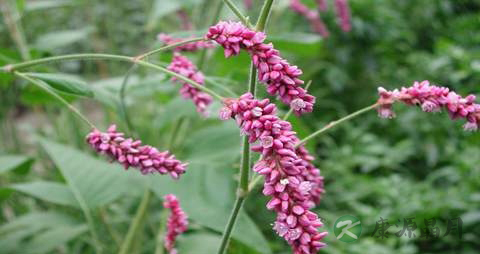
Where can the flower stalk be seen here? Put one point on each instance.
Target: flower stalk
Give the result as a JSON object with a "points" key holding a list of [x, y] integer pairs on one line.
{"points": [[136, 223], [243, 186], [238, 13], [335, 123]]}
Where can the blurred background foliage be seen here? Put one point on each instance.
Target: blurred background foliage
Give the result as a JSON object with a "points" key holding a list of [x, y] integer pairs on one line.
{"points": [[416, 165]]}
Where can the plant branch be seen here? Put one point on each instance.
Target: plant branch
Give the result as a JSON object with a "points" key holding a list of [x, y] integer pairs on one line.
{"points": [[335, 123], [264, 13], [171, 46], [123, 106], [44, 87], [13, 67], [231, 222], [243, 186], [237, 12]]}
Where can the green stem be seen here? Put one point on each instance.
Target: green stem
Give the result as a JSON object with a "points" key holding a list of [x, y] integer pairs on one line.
{"points": [[13, 67], [123, 106], [242, 190], [335, 123], [228, 229], [54, 94], [237, 12], [171, 46], [286, 116], [136, 223], [244, 172], [264, 13]]}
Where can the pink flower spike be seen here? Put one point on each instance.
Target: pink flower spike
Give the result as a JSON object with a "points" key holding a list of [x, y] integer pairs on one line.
{"points": [[181, 65], [292, 182], [177, 222], [281, 78], [431, 98], [130, 153]]}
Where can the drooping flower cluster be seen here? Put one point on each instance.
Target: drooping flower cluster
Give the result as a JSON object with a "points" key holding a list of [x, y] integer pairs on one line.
{"points": [[282, 79], [191, 47], [311, 15], [181, 65], [431, 98], [311, 174], [343, 14], [287, 179], [177, 222], [130, 153]]}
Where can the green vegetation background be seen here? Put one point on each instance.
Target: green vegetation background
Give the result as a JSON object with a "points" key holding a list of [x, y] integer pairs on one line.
{"points": [[416, 165]]}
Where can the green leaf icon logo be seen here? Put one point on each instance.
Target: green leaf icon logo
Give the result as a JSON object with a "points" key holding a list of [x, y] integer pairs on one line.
{"points": [[347, 228]]}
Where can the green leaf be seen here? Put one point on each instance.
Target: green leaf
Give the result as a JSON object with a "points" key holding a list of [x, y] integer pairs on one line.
{"points": [[50, 239], [207, 193], [14, 162], [95, 181], [159, 9], [14, 234], [57, 193], [226, 138], [199, 243], [64, 83], [58, 39], [46, 4]]}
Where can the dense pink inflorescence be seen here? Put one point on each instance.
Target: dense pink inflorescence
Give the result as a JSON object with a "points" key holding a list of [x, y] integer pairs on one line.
{"points": [[288, 181], [282, 79], [311, 175], [431, 98], [181, 65], [311, 15], [343, 14], [131, 153], [177, 222], [193, 46]]}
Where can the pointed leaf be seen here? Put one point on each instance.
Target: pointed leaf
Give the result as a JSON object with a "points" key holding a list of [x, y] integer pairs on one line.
{"points": [[47, 241], [14, 162], [207, 196], [64, 83], [57, 193], [94, 181]]}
